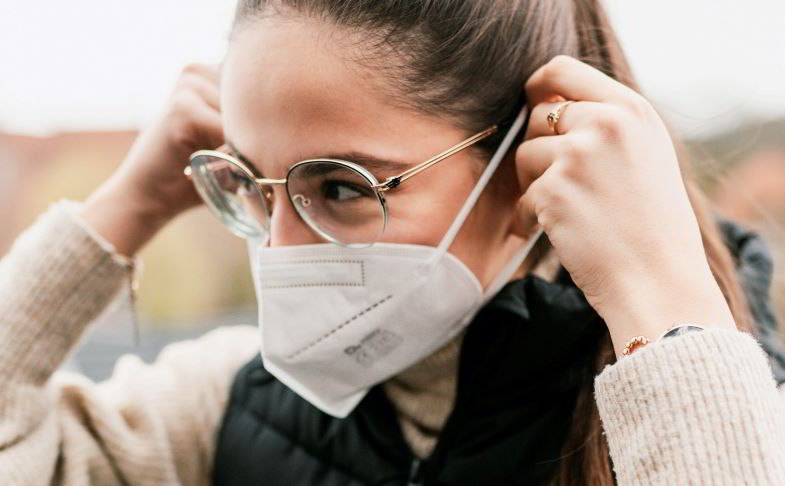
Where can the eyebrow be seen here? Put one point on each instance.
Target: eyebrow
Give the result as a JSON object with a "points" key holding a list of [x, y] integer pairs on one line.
{"points": [[369, 162]]}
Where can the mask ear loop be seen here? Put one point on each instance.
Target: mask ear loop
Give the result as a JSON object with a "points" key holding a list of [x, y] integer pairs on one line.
{"points": [[504, 276], [511, 267], [468, 205]]}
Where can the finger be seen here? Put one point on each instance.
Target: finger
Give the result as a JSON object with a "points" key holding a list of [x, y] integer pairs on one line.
{"points": [[208, 71], [533, 157], [525, 220], [205, 88], [573, 116], [208, 126], [574, 80]]}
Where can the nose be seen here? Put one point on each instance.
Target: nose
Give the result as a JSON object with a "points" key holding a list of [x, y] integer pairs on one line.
{"points": [[286, 226]]}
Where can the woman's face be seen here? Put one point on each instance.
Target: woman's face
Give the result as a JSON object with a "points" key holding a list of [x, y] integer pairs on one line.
{"points": [[289, 92]]}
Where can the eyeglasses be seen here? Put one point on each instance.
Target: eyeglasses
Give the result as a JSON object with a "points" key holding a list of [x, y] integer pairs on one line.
{"points": [[340, 200]]}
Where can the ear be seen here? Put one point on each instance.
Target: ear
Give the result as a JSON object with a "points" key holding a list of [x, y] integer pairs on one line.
{"points": [[507, 192]]}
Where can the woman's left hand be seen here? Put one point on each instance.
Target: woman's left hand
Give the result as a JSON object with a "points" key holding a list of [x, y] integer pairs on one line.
{"points": [[609, 193]]}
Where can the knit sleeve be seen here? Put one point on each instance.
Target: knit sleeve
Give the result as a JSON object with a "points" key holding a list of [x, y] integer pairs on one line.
{"points": [[147, 424], [700, 408]]}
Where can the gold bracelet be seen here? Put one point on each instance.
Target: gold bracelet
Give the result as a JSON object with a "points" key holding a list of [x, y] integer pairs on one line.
{"points": [[675, 330], [634, 343]]}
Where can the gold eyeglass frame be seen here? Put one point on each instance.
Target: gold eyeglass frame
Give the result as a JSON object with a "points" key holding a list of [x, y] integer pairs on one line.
{"points": [[379, 188]]}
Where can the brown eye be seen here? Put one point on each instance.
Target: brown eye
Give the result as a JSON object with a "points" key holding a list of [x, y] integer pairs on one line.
{"points": [[340, 191], [338, 200]]}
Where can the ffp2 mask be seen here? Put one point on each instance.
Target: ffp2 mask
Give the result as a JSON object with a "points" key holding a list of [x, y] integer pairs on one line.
{"points": [[335, 321]]}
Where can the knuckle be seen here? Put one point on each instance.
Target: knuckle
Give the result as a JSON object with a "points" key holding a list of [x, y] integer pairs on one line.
{"points": [[610, 128], [557, 188], [191, 69], [548, 71], [542, 213], [538, 207], [178, 129], [569, 171], [574, 149], [525, 207], [186, 82], [554, 68], [551, 70], [547, 187], [183, 107], [180, 136], [195, 75], [186, 76], [561, 60], [639, 107], [541, 203], [533, 194], [182, 103]]}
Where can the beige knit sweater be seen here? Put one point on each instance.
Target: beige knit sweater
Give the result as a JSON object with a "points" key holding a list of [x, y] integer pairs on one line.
{"points": [[701, 408]]}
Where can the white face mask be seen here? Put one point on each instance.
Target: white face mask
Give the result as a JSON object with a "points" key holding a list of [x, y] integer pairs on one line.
{"points": [[336, 321]]}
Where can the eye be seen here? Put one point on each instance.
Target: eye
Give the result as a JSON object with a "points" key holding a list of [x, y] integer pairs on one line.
{"points": [[336, 190], [244, 186], [230, 179]]}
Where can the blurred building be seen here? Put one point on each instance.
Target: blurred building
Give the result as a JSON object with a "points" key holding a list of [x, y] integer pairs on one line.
{"points": [[195, 268], [192, 269], [38, 169]]}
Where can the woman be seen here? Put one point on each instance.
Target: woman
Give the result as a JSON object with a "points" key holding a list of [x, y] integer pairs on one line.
{"points": [[388, 353]]}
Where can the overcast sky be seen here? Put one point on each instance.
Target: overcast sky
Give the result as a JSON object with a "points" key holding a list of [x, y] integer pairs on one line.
{"points": [[97, 64]]}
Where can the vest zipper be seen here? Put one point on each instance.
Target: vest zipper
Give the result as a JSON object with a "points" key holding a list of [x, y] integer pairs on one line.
{"points": [[415, 473]]}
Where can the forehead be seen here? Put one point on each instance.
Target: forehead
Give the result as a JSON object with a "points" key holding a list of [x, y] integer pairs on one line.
{"points": [[293, 69], [289, 91]]}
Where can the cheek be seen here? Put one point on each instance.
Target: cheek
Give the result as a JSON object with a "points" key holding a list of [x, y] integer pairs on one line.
{"points": [[414, 218], [423, 212]]}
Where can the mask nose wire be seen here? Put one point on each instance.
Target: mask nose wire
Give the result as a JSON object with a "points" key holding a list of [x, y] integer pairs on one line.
{"points": [[471, 200]]}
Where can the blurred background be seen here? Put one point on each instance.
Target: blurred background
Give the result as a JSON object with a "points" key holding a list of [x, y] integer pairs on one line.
{"points": [[80, 78]]}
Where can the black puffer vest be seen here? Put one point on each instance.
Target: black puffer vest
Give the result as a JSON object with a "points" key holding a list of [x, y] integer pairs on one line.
{"points": [[522, 362]]}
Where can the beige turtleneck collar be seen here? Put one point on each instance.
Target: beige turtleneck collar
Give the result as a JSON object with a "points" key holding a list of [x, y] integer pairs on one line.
{"points": [[423, 394]]}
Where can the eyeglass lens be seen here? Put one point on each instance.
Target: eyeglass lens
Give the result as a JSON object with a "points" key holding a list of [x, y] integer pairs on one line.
{"points": [[333, 198], [231, 194], [337, 201]]}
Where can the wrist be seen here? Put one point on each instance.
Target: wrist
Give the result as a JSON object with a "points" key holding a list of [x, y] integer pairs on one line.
{"points": [[122, 217], [650, 310]]}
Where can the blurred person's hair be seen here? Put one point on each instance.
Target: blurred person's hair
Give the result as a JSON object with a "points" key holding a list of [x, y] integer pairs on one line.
{"points": [[466, 60]]}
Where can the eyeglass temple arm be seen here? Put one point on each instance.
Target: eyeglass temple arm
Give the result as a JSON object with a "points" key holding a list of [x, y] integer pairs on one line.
{"points": [[394, 181]]}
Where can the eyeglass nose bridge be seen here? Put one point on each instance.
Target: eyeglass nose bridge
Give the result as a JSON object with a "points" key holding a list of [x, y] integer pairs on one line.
{"points": [[264, 184]]}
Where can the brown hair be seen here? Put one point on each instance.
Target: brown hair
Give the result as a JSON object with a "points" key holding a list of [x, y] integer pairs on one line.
{"points": [[466, 60]]}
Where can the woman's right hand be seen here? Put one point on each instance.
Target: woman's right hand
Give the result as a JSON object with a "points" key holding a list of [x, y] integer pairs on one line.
{"points": [[149, 188]]}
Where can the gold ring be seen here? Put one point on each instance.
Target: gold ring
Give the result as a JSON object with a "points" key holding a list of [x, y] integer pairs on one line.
{"points": [[553, 116]]}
